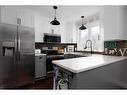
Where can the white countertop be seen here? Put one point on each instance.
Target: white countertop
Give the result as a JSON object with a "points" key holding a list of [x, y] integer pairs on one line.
{"points": [[40, 54], [77, 65]]}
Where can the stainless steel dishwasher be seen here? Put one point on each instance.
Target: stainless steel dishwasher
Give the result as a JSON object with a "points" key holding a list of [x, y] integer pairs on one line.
{"points": [[40, 66]]}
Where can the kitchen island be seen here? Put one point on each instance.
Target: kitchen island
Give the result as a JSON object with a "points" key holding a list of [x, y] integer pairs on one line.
{"points": [[93, 72]]}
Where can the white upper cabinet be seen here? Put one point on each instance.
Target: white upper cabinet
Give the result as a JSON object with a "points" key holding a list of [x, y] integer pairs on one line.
{"points": [[26, 16], [9, 15], [114, 21]]}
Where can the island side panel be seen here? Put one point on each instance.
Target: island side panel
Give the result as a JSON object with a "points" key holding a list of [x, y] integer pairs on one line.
{"points": [[59, 71], [111, 76]]}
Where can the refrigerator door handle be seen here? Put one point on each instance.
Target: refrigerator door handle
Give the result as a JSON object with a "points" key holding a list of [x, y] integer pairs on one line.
{"points": [[15, 44], [18, 34], [15, 48], [19, 45]]}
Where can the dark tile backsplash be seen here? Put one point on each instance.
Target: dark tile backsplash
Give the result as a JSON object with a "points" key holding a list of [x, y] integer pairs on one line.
{"points": [[116, 47]]}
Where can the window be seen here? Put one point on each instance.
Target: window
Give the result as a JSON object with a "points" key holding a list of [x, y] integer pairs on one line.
{"points": [[93, 34], [83, 36]]}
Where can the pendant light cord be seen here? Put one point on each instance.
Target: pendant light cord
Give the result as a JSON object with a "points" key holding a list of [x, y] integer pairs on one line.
{"points": [[82, 21], [55, 14]]}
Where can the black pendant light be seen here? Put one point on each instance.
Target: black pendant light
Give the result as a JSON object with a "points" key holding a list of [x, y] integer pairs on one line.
{"points": [[82, 26], [55, 21]]}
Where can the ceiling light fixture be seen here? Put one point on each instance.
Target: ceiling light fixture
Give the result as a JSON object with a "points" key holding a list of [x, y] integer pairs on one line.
{"points": [[55, 21], [82, 26]]}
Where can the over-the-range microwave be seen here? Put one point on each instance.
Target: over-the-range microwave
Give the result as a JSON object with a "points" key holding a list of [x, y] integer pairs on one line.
{"points": [[52, 38]]}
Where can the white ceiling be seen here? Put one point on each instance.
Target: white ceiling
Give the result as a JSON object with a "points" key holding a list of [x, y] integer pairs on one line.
{"points": [[66, 12]]}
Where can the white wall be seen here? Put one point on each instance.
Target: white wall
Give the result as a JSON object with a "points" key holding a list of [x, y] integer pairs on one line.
{"points": [[102, 29], [123, 23], [69, 31], [115, 22], [42, 25], [112, 21]]}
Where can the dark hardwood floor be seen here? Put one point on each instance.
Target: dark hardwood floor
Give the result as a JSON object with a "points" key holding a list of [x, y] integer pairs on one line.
{"points": [[46, 83], [42, 84]]}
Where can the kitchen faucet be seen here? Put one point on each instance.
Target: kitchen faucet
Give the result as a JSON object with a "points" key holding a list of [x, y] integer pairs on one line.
{"points": [[90, 45]]}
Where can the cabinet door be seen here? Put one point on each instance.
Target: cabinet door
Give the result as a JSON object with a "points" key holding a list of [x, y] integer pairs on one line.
{"points": [[7, 56], [26, 64], [27, 17], [8, 15]]}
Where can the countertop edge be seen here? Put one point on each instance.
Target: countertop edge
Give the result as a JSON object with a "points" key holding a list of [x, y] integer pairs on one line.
{"points": [[86, 69]]}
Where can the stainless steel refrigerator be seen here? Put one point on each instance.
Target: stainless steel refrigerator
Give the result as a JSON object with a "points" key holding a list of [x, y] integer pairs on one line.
{"points": [[17, 57]]}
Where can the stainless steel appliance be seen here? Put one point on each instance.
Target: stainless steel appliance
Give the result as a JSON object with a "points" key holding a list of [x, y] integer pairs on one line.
{"points": [[40, 66], [17, 57], [52, 38]]}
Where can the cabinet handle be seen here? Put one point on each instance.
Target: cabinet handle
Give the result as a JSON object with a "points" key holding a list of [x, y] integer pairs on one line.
{"points": [[40, 57]]}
